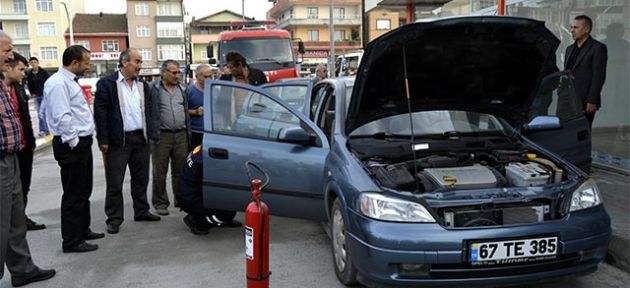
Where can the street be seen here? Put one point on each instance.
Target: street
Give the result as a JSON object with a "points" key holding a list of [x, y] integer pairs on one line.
{"points": [[166, 254]]}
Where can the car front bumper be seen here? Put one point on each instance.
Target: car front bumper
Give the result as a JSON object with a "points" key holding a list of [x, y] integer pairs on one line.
{"points": [[378, 248]]}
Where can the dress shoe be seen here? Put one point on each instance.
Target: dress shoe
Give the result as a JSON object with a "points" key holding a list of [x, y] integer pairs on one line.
{"points": [[190, 222], [93, 236], [83, 247], [112, 228], [146, 217], [32, 225], [230, 223], [38, 275], [161, 211]]}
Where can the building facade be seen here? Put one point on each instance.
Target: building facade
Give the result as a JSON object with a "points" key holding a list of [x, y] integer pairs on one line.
{"points": [[37, 27], [105, 35], [205, 31], [308, 20], [156, 28]]}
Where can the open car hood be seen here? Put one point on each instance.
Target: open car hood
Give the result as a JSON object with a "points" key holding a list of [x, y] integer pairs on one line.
{"points": [[486, 64]]}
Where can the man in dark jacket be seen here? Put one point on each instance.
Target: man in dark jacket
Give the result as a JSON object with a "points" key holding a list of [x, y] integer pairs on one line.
{"points": [[13, 81], [36, 78], [190, 198], [239, 71], [586, 58], [121, 116]]}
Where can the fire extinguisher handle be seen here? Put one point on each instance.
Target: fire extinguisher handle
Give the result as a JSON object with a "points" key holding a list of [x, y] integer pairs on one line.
{"points": [[249, 173]]}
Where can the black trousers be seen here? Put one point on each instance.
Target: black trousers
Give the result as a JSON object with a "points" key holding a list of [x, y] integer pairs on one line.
{"points": [[194, 207], [136, 154], [196, 139], [76, 179], [25, 158]]}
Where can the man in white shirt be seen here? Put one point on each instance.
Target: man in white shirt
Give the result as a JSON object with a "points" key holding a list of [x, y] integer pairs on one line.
{"points": [[71, 123]]}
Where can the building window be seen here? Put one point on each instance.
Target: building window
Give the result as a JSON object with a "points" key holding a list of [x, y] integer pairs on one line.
{"points": [[339, 13], [142, 9], [204, 30], [23, 50], [44, 5], [84, 43], [204, 54], [340, 35], [313, 13], [110, 45], [170, 29], [19, 6], [169, 9], [21, 30], [174, 52], [46, 29], [143, 31], [383, 24], [146, 54], [48, 53], [313, 35]]}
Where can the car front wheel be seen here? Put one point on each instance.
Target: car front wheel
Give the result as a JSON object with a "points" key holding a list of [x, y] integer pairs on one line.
{"points": [[344, 269]]}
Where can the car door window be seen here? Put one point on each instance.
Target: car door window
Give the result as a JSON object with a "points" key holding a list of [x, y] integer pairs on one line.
{"points": [[294, 95], [556, 97], [241, 112]]}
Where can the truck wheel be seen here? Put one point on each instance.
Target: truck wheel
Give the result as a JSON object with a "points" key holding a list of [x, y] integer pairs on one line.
{"points": [[344, 269]]}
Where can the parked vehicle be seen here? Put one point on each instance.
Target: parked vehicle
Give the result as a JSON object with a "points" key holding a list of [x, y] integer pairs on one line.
{"points": [[454, 160]]}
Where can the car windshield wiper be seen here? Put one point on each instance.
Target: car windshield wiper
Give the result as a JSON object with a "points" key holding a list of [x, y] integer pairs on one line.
{"points": [[452, 133]]}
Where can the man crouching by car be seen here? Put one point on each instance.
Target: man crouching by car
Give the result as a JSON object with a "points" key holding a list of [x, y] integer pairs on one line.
{"points": [[190, 199]]}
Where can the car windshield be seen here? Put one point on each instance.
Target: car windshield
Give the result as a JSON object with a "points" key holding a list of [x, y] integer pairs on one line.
{"points": [[264, 54], [441, 122]]}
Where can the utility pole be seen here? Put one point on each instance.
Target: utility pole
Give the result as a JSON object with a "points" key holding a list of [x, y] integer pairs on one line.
{"points": [[243, 10], [331, 28]]}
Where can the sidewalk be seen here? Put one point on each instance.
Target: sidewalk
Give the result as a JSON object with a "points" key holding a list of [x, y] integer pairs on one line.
{"points": [[615, 191]]}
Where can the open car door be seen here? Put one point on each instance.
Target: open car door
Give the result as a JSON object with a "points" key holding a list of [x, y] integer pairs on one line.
{"points": [[245, 123], [572, 140]]}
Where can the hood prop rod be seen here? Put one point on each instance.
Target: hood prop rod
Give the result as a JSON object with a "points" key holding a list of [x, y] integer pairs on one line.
{"points": [[408, 94]]}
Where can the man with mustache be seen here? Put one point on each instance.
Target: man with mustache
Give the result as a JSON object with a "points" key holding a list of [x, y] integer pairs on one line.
{"points": [[71, 123], [120, 113], [14, 251]]}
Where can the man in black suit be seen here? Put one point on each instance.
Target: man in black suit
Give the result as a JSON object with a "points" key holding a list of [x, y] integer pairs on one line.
{"points": [[121, 112], [586, 58]]}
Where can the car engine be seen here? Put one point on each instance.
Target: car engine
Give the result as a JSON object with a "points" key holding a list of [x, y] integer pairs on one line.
{"points": [[460, 171]]}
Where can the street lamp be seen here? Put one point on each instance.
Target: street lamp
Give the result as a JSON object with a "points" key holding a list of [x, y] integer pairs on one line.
{"points": [[70, 17]]}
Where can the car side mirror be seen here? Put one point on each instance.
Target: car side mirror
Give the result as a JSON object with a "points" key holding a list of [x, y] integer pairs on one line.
{"points": [[541, 123], [295, 135]]}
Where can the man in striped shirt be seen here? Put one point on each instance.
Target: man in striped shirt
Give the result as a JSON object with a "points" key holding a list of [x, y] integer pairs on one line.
{"points": [[14, 249]]}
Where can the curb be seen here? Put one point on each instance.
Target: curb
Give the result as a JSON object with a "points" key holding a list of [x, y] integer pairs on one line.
{"points": [[43, 143], [619, 252], [610, 168]]}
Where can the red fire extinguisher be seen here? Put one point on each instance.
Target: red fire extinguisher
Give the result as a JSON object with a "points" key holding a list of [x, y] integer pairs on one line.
{"points": [[257, 236]]}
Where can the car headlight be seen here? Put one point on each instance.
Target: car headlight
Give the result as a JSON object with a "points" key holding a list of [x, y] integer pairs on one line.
{"points": [[386, 208], [586, 196]]}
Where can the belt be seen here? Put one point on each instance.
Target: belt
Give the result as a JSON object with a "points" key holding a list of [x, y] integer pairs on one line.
{"points": [[134, 132], [172, 130]]}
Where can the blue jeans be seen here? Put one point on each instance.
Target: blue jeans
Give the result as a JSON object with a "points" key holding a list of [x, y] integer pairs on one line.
{"points": [[43, 127]]}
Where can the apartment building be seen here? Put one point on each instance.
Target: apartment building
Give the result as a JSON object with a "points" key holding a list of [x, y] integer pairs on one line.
{"points": [[206, 31], [308, 20], [156, 28], [105, 35], [37, 27]]}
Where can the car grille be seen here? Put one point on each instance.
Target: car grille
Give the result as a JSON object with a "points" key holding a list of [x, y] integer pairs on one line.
{"points": [[495, 216], [450, 271]]}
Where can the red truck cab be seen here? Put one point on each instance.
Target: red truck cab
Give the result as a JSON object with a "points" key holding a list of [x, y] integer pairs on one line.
{"points": [[269, 50]]}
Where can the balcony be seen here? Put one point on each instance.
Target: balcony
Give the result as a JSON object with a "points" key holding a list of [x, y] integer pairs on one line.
{"points": [[5, 16], [324, 45], [341, 20]]}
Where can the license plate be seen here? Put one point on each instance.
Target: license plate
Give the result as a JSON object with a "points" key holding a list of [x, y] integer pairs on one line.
{"points": [[513, 251]]}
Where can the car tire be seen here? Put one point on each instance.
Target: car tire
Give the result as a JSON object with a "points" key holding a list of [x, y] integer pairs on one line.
{"points": [[342, 258]]}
